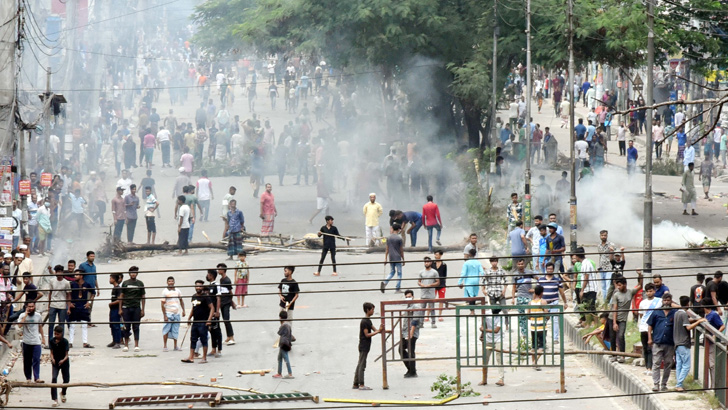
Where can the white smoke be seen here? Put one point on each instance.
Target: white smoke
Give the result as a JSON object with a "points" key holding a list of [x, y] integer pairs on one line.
{"points": [[613, 201]]}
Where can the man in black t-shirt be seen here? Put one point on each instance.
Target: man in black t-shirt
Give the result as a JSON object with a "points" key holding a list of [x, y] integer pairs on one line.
{"points": [[202, 311], [59, 361], [226, 302], [366, 332], [713, 290], [698, 292], [215, 332], [330, 234], [288, 293]]}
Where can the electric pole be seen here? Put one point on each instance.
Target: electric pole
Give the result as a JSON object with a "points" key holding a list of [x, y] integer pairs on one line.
{"points": [[494, 97], [647, 244], [47, 106], [527, 122], [572, 69]]}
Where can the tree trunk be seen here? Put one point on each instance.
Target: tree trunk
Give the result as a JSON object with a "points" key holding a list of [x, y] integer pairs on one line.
{"points": [[472, 116]]}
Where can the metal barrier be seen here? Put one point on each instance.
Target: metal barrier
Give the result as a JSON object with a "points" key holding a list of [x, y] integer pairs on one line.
{"points": [[528, 347], [412, 309], [715, 349]]}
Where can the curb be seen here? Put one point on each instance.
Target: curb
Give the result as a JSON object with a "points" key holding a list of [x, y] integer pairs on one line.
{"points": [[621, 378]]}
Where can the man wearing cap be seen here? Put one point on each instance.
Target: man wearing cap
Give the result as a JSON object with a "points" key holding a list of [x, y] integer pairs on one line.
{"points": [[182, 181], [118, 212], [555, 247], [372, 211], [23, 261]]}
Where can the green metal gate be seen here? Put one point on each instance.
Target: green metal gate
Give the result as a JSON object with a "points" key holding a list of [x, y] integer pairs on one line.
{"points": [[523, 342]]}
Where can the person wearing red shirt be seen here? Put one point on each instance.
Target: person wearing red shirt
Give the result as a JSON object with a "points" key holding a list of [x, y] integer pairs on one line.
{"points": [[431, 219]]}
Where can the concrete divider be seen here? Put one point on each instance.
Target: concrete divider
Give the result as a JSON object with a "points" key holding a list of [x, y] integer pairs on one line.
{"points": [[616, 373]]}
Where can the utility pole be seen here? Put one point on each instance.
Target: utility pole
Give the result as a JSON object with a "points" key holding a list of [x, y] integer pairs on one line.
{"points": [[47, 107], [494, 97], [647, 241], [572, 69], [527, 122]]}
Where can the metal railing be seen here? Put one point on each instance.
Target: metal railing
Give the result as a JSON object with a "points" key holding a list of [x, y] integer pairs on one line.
{"points": [[713, 359], [487, 340], [393, 311]]}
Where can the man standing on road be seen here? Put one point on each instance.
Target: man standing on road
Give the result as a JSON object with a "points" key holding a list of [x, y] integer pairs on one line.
{"points": [[428, 282], [631, 158], [118, 211], [432, 220], [620, 304], [213, 290], [131, 202], [518, 241], [205, 195], [495, 285], [660, 337], [681, 338], [180, 183], [472, 244], [31, 324], [395, 255], [59, 299], [201, 312], [330, 234], [226, 303], [553, 287], [183, 225], [555, 247], [372, 212], [234, 228], [410, 334], [133, 302], [288, 294], [470, 277], [82, 295], [687, 188], [606, 250], [366, 332], [89, 270], [173, 310], [268, 211]]}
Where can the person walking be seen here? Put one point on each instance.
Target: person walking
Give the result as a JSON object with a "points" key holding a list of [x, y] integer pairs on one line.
{"points": [[470, 277], [226, 303], [173, 310], [118, 211], [687, 188], [330, 234], [242, 278], [59, 361], [394, 253], [372, 211], [133, 302], [31, 324], [183, 225], [432, 221], [410, 333], [114, 316]]}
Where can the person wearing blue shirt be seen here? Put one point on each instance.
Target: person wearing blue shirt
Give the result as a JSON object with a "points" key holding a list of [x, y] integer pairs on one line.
{"points": [[470, 277], [631, 158], [590, 131], [659, 336], [505, 133], [584, 88], [415, 221], [89, 270], [660, 287], [580, 129]]}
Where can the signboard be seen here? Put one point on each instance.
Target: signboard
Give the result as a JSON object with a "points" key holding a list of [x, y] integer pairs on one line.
{"points": [[45, 179], [24, 187]]}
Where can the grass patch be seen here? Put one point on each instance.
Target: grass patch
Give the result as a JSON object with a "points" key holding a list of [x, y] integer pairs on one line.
{"points": [[631, 335], [683, 397]]}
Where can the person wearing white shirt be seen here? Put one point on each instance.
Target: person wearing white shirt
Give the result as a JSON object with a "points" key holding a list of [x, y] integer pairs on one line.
{"points": [[124, 183], [679, 119], [165, 144], [622, 139], [534, 237], [204, 195], [689, 155], [589, 290], [581, 147]]}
